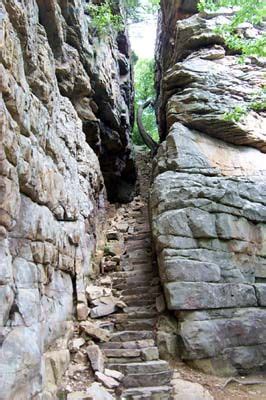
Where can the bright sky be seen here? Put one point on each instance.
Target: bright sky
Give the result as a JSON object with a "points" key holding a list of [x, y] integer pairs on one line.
{"points": [[143, 35]]}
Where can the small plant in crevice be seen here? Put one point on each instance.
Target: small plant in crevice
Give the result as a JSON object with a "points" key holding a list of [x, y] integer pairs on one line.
{"points": [[236, 114], [108, 250], [258, 104], [104, 18], [245, 11]]}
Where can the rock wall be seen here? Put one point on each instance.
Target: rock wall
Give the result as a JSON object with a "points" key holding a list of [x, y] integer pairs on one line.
{"points": [[208, 197], [64, 93]]}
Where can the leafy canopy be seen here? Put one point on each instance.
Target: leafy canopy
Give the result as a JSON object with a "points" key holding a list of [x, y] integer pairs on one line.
{"points": [[136, 10], [104, 15], [144, 90], [253, 11]]}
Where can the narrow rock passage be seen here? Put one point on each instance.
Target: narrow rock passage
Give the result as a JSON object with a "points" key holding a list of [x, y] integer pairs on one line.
{"points": [[116, 344], [132, 348]]}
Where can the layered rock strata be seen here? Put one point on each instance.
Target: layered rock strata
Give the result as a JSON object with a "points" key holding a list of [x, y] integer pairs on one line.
{"points": [[208, 197], [63, 90]]}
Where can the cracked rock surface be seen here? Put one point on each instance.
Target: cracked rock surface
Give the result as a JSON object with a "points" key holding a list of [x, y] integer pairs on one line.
{"points": [[208, 196], [65, 100]]}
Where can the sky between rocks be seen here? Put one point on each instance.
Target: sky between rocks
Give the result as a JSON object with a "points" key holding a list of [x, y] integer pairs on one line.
{"points": [[143, 36]]}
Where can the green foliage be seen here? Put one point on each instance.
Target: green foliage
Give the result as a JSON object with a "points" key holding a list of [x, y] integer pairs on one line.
{"points": [[258, 104], [134, 58], [136, 10], [245, 11], [104, 17], [106, 250], [144, 79], [144, 90], [236, 114], [133, 9]]}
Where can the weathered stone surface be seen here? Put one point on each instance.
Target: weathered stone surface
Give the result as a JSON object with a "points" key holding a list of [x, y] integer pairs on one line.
{"points": [[75, 344], [113, 374], [95, 331], [107, 381], [150, 354], [82, 311], [189, 390], [56, 363], [260, 289], [96, 358], [205, 83], [208, 193], [61, 94], [103, 310], [97, 392], [78, 396], [180, 269], [200, 295]]}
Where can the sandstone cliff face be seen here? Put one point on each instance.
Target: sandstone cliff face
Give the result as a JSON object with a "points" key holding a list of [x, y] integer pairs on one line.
{"points": [[64, 92], [209, 194]]}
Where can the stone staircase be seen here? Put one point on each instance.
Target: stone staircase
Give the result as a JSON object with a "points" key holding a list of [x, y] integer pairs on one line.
{"points": [[132, 348]]}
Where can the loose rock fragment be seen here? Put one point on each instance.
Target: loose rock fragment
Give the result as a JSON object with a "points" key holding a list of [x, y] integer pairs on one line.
{"points": [[94, 331], [114, 374], [96, 358], [82, 312], [79, 396], [97, 392], [107, 381], [75, 344], [102, 310]]}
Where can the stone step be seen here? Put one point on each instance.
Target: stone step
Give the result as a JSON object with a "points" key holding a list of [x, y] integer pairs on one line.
{"points": [[147, 295], [123, 360], [139, 260], [137, 324], [139, 302], [142, 290], [121, 283], [142, 258], [133, 281], [145, 267], [125, 336], [139, 253], [145, 353], [122, 353], [142, 229], [131, 274], [144, 312], [151, 393], [138, 245], [139, 236], [149, 367], [139, 344], [142, 380]]}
